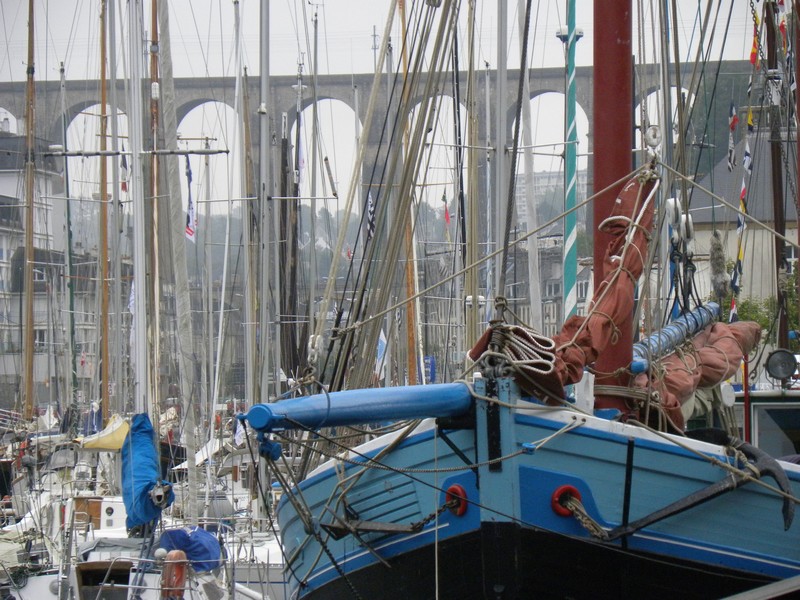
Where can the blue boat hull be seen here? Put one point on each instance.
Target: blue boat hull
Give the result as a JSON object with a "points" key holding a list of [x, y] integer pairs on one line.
{"points": [[513, 541]]}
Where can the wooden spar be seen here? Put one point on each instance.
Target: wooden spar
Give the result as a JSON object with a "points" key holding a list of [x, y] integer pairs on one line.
{"points": [[249, 231], [30, 166], [471, 238], [104, 355], [796, 28], [613, 124], [776, 141], [410, 270]]}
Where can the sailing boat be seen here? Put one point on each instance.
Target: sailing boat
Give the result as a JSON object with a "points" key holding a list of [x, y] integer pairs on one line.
{"points": [[499, 487]]}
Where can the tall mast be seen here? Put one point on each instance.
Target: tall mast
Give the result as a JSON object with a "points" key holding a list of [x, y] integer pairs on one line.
{"points": [[115, 368], [472, 316], [249, 229], [269, 307], [72, 380], [141, 382], [412, 308], [613, 124], [312, 275], [775, 145], [30, 166], [500, 157], [104, 357], [570, 169], [534, 281]]}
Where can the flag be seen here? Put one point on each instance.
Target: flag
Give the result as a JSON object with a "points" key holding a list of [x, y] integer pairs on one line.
{"points": [[191, 214], [446, 212], [782, 29], [380, 367], [238, 437], [733, 118], [747, 159], [754, 48], [123, 171], [750, 126], [370, 215], [734, 314], [731, 152]]}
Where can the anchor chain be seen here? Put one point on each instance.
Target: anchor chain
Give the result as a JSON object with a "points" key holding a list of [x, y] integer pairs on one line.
{"points": [[418, 525]]}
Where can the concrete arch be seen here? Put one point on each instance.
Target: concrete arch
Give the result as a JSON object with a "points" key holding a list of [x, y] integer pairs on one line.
{"points": [[215, 120], [336, 142], [83, 132]]}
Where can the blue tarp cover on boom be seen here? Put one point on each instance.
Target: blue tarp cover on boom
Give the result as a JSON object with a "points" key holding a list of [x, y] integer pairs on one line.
{"points": [[201, 547], [140, 472]]}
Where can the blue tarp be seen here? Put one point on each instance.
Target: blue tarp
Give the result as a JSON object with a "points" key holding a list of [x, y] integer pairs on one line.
{"points": [[201, 547], [140, 472]]}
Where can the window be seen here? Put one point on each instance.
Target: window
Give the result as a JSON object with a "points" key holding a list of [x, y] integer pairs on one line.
{"points": [[553, 288], [583, 289], [39, 340]]}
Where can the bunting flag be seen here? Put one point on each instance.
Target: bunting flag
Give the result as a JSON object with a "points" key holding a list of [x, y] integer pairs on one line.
{"points": [[754, 49], [380, 363], [734, 313], [370, 215], [750, 125], [123, 171], [733, 120], [747, 159], [446, 211], [782, 29], [191, 213]]}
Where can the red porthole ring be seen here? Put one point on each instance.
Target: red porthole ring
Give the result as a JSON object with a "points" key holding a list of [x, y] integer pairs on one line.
{"points": [[458, 494], [561, 493]]}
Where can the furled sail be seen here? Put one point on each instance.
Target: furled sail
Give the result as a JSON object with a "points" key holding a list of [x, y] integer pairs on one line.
{"points": [[144, 493]]}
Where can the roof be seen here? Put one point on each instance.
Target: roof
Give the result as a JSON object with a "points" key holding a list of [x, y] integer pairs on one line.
{"points": [[728, 184]]}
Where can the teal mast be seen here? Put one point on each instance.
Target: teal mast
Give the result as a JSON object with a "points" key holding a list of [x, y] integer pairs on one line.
{"points": [[569, 38]]}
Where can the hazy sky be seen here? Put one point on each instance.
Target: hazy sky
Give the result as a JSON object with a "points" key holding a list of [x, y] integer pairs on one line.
{"points": [[203, 33]]}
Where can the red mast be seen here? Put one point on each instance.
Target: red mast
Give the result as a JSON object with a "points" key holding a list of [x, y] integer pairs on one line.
{"points": [[611, 161]]}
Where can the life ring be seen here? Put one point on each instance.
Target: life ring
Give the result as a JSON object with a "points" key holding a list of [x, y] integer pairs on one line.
{"points": [[173, 576], [456, 493], [562, 492]]}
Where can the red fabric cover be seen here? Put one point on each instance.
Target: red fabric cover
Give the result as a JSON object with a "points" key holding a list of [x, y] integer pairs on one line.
{"points": [[713, 356]]}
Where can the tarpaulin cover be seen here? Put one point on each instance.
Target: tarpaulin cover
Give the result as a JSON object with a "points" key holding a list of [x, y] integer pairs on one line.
{"points": [[201, 547], [713, 356], [140, 472]]}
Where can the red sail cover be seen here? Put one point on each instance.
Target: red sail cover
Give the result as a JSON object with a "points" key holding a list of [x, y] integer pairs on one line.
{"points": [[583, 338], [713, 356], [716, 352]]}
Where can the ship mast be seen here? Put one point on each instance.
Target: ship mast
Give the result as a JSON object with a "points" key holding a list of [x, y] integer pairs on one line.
{"points": [[776, 158], [613, 123], [104, 355], [30, 166]]}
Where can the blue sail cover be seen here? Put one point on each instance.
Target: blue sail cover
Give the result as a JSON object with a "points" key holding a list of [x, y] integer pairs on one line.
{"points": [[201, 547], [140, 472]]}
